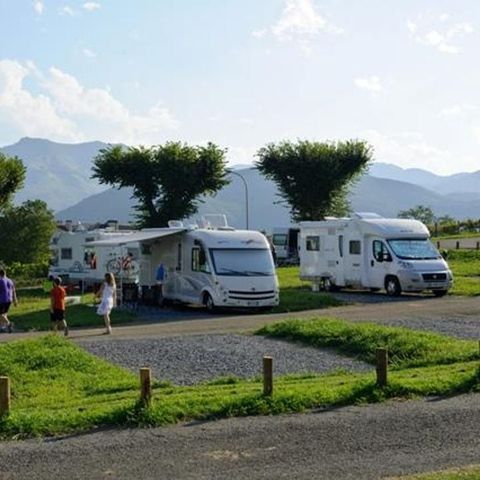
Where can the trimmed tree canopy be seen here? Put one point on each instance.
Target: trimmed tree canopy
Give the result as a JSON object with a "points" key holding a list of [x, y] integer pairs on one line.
{"points": [[12, 176], [167, 180], [313, 178]]}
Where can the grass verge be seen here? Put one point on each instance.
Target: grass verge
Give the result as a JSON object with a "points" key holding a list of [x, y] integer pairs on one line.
{"points": [[407, 348], [471, 472], [58, 388]]}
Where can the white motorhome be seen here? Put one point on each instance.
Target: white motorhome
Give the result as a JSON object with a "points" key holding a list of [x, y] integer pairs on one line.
{"points": [[212, 266], [73, 259], [369, 251], [285, 242]]}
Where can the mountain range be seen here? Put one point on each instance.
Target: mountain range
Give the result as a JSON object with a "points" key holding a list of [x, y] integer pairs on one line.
{"points": [[60, 175]]}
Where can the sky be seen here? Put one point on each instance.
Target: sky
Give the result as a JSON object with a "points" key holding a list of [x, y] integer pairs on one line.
{"points": [[402, 75]]}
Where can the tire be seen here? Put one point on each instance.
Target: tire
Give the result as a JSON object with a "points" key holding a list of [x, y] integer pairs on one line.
{"points": [[329, 286], [440, 293], [208, 302], [392, 286]]}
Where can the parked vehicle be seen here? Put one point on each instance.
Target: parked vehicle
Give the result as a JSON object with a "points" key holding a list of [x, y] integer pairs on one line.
{"points": [[369, 251], [214, 266], [75, 260], [285, 242]]}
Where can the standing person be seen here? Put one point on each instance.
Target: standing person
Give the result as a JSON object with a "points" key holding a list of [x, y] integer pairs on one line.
{"points": [[108, 298], [57, 306], [160, 277], [8, 295]]}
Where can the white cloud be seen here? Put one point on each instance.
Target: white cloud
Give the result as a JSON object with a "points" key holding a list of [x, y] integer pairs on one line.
{"points": [[438, 33], [89, 53], [411, 150], [38, 6], [66, 110], [91, 6], [299, 23], [457, 110], [371, 84], [66, 10]]}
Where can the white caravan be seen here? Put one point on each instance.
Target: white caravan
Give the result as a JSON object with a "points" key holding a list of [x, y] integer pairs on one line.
{"points": [[213, 266], [372, 252], [75, 261]]}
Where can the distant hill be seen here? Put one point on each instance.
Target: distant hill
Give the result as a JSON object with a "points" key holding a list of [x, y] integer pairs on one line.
{"points": [[57, 173], [60, 174]]}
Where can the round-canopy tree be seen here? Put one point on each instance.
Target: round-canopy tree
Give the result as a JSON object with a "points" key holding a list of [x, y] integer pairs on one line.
{"points": [[313, 178], [167, 180], [12, 176]]}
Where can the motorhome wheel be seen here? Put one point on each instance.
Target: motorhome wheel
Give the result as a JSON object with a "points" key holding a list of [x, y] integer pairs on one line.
{"points": [[208, 302], [392, 286]]}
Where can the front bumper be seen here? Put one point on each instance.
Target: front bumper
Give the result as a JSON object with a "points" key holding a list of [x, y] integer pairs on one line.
{"points": [[414, 281]]}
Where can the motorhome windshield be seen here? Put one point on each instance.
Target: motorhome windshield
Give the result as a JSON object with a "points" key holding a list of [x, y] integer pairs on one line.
{"points": [[414, 249], [242, 262]]}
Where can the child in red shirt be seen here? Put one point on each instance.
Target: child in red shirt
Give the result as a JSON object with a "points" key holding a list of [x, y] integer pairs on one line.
{"points": [[57, 306]]}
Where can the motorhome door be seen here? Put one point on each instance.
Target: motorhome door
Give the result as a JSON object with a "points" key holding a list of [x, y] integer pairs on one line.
{"points": [[379, 260], [353, 259]]}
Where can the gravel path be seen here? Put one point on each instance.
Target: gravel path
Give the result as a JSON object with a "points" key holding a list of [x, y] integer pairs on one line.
{"points": [[193, 359]]}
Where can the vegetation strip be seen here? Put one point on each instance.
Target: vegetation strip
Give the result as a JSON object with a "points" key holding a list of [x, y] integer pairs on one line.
{"points": [[407, 348], [59, 388], [471, 472]]}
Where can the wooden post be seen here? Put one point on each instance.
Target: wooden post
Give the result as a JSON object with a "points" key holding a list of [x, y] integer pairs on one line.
{"points": [[4, 396], [267, 376], [438, 243], [145, 386], [457, 245], [382, 367], [477, 246]]}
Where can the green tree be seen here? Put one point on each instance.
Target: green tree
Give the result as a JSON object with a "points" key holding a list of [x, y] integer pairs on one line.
{"points": [[314, 178], [167, 180], [25, 232], [12, 176], [420, 212]]}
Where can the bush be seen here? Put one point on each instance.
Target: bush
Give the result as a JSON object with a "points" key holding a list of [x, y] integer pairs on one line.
{"points": [[27, 273]]}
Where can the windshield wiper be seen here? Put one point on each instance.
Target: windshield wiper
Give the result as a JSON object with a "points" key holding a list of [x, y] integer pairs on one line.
{"points": [[253, 273], [233, 272]]}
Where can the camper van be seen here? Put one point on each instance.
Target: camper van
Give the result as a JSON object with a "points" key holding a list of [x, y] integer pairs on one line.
{"points": [[285, 242], [369, 251], [75, 260], [210, 265]]}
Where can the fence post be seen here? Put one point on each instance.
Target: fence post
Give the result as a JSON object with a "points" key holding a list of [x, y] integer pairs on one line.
{"points": [[145, 386], [477, 246], [267, 376], [4, 396], [457, 245], [438, 244], [382, 367]]}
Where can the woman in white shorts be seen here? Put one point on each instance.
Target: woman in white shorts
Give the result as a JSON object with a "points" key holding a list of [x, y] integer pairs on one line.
{"points": [[108, 298]]}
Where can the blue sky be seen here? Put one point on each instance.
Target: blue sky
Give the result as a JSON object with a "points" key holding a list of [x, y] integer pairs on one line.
{"points": [[403, 75]]}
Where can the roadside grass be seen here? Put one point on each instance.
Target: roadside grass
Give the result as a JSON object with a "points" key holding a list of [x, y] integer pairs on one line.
{"points": [[471, 472], [297, 295], [465, 265], [33, 312], [58, 388], [407, 348]]}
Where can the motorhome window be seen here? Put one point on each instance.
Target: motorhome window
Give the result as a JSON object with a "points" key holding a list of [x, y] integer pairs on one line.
{"points": [[199, 260], [242, 262], [340, 245], [355, 247], [414, 249], [66, 254], [313, 243], [380, 252], [280, 240]]}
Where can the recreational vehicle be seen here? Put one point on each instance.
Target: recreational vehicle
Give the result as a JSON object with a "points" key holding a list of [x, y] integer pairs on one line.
{"points": [[369, 251], [214, 266], [73, 259], [285, 242]]}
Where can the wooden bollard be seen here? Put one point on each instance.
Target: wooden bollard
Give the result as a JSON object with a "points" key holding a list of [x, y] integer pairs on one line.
{"points": [[457, 245], [438, 243], [477, 245], [267, 376], [145, 386], [4, 396], [382, 367]]}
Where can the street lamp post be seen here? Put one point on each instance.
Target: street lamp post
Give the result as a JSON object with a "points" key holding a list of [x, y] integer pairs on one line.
{"points": [[246, 194]]}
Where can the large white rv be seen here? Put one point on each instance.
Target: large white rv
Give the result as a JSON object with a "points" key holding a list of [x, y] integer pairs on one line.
{"points": [[213, 266], [369, 251], [74, 259]]}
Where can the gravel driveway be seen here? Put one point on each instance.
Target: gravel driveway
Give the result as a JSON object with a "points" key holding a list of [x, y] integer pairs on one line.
{"points": [[192, 359]]}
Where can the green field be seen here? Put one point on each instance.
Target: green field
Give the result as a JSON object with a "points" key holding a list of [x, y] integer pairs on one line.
{"points": [[58, 388], [466, 473]]}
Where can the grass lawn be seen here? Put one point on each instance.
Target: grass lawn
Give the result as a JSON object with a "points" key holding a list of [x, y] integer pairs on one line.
{"points": [[33, 312], [464, 473], [58, 388], [465, 265]]}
